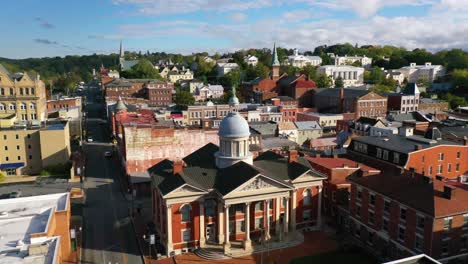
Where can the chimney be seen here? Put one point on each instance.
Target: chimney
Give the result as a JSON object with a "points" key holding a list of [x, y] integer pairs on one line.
{"points": [[465, 141], [449, 192], [177, 167], [417, 147], [293, 156]]}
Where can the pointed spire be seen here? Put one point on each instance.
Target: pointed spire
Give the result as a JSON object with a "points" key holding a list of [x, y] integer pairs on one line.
{"points": [[121, 50], [233, 101], [274, 57]]}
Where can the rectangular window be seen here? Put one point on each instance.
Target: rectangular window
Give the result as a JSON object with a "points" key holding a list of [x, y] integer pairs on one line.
{"points": [[240, 226], [370, 238], [430, 170], [439, 169], [458, 154], [463, 243], [358, 211], [447, 224], [307, 215], [186, 235], [418, 243], [457, 167], [359, 194], [232, 226], [401, 233], [385, 154], [420, 222], [445, 245], [10, 172], [371, 217], [386, 207], [385, 225], [372, 199], [403, 214], [259, 206], [396, 157], [379, 153], [441, 156], [259, 223], [449, 167]]}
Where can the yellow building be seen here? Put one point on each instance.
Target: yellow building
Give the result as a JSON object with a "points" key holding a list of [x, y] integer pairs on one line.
{"points": [[22, 94], [27, 149]]}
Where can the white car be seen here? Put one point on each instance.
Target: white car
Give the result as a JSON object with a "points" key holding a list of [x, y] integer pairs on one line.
{"points": [[90, 139]]}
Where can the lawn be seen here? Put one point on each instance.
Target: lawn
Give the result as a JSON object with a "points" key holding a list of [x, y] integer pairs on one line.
{"points": [[337, 257]]}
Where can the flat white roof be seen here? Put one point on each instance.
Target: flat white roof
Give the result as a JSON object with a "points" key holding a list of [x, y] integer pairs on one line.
{"points": [[21, 217]]}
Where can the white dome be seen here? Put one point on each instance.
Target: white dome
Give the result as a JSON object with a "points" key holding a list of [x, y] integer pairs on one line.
{"points": [[209, 103], [234, 126]]}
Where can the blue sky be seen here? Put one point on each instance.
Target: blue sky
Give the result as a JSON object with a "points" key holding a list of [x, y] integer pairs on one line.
{"points": [[58, 28]]}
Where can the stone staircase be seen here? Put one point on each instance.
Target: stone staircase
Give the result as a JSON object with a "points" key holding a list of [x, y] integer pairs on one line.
{"points": [[211, 253]]}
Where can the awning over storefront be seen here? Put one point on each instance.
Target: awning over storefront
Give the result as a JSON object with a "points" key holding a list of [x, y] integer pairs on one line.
{"points": [[11, 165]]}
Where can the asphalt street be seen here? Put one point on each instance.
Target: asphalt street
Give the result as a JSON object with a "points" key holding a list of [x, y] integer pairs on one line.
{"points": [[109, 237]]}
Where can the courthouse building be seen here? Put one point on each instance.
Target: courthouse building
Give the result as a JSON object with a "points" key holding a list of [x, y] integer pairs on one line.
{"points": [[224, 196]]}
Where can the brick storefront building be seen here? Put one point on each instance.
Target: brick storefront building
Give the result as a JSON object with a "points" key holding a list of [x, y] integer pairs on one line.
{"points": [[402, 214], [63, 103], [359, 102], [158, 93], [425, 155], [287, 107]]}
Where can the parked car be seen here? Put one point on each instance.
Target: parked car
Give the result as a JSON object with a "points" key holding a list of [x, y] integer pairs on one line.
{"points": [[90, 139], [15, 194], [108, 154]]}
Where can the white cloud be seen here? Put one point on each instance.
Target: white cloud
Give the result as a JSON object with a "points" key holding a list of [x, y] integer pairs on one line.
{"points": [[297, 15], [238, 17]]}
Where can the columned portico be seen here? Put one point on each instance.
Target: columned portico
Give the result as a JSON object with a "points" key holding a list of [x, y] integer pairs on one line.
{"points": [[277, 215], [202, 224], [293, 210], [227, 244], [247, 241], [169, 244], [286, 217], [267, 217], [220, 223]]}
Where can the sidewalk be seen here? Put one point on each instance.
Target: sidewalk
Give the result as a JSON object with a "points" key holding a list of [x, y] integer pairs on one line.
{"points": [[315, 242], [140, 221]]}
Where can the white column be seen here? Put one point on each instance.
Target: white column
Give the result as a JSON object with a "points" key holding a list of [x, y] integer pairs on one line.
{"points": [[277, 215], [319, 215], [202, 224], [267, 215], [247, 241], [286, 216], [169, 229], [227, 244], [220, 223], [293, 210]]}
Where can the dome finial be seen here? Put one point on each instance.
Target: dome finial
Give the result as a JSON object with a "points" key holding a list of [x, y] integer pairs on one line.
{"points": [[233, 101]]}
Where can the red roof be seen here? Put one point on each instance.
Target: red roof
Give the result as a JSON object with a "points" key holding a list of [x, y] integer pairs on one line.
{"points": [[305, 84], [140, 117], [333, 163]]}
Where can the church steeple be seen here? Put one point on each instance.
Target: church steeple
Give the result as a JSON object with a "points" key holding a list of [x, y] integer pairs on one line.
{"points": [[121, 53], [275, 64]]}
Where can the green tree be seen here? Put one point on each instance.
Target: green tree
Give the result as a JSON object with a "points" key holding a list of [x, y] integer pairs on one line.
{"points": [[460, 81], [232, 78], [142, 70], [380, 88], [454, 101], [259, 70], [374, 76], [310, 72], [339, 82], [324, 81], [183, 98]]}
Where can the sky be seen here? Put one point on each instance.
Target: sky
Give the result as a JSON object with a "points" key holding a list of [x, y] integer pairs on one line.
{"points": [[48, 28]]}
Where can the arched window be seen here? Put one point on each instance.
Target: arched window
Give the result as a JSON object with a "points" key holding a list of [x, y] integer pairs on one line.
{"points": [[32, 106], [185, 211], [23, 106], [12, 107], [210, 208], [2, 107], [307, 200]]}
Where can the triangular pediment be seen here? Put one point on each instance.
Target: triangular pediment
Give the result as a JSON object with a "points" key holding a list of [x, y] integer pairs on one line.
{"points": [[259, 184], [185, 190]]}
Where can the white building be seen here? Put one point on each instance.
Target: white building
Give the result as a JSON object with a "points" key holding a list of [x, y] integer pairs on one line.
{"points": [[225, 67], [176, 76], [366, 62], [415, 73], [351, 76], [209, 92], [300, 61], [251, 60], [395, 75]]}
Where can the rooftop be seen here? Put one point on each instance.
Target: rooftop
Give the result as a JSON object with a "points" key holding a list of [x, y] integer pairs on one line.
{"points": [[333, 163], [307, 125], [402, 144], [432, 197], [22, 217]]}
